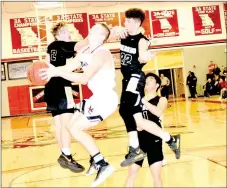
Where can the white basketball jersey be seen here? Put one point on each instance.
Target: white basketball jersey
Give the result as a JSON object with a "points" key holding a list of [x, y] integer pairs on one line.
{"points": [[103, 81]]}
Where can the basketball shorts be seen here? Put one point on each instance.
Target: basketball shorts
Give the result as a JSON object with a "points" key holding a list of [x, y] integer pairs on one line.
{"points": [[152, 145], [59, 112], [61, 100], [98, 108], [132, 93]]}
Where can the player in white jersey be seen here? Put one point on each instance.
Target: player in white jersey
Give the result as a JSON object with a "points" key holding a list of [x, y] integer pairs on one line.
{"points": [[99, 72]]}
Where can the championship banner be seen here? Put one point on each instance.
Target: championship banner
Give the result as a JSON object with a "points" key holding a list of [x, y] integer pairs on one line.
{"points": [[77, 24], [24, 34], [110, 19], [145, 27], [165, 23], [225, 14], [206, 20]]}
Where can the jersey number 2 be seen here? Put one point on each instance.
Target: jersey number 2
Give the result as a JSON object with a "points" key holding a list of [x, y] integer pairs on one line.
{"points": [[53, 55]]}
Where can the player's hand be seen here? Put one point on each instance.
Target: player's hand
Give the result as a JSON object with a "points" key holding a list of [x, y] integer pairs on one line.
{"points": [[48, 73], [121, 32], [144, 101]]}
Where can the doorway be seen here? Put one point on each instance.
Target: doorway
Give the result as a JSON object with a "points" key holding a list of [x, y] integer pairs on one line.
{"points": [[176, 87]]}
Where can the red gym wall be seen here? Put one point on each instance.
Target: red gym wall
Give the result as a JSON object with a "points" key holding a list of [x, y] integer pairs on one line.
{"points": [[19, 99]]}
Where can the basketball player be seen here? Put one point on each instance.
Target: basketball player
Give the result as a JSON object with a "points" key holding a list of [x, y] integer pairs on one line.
{"points": [[99, 72], [134, 55], [153, 108], [58, 92]]}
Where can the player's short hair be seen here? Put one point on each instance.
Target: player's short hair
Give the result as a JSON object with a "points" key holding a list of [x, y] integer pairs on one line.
{"points": [[107, 30], [56, 28], [135, 13]]}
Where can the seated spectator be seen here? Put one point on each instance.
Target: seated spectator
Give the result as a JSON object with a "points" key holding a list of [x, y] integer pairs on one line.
{"points": [[208, 88], [210, 70], [224, 73], [216, 70], [216, 89], [223, 88]]}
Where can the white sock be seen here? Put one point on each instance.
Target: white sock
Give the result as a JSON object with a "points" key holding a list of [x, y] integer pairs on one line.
{"points": [[66, 151], [166, 136], [133, 139], [98, 157]]}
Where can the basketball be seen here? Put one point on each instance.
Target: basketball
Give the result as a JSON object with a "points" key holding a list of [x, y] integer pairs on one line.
{"points": [[33, 73]]}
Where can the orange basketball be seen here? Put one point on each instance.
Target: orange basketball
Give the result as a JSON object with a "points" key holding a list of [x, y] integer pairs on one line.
{"points": [[33, 73]]}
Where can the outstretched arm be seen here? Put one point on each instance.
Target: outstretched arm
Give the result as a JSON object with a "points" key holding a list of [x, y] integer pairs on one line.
{"points": [[80, 44], [117, 32], [144, 53], [98, 60]]}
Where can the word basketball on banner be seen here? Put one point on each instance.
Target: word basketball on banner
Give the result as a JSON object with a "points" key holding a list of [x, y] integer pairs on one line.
{"points": [[145, 27], [110, 19], [165, 23], [77, 24], [225, 14], [206, 20], [24, 34]]}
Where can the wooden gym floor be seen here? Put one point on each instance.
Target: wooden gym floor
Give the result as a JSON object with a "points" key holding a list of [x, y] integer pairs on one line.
{"points": [[29, 150]]}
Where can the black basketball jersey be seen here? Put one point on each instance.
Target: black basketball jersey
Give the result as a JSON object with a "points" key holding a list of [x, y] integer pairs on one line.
{"points": [[148, 115], [129, 51], [59, 52]]}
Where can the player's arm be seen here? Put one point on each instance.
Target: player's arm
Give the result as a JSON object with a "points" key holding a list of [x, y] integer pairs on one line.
{"points": [[117, 32], [80, 44], [47, 58], [144, 54], [156, 110], [73, 47], [82, 78]]}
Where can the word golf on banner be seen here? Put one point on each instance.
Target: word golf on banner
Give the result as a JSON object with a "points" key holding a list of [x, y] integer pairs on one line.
{"points": [[206, 20], [145, 27], [110, 19], [24, 35], [225, 14], [77, 24], [164, 23]]}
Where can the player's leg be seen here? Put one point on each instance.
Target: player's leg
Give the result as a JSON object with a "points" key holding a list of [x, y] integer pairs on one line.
{"points": [[135, 153], [57, 124], [134, 168], [155, 158], [153, 128], [66, 160], [132, 174], [155, 169], [129, 100], [80, 123]]}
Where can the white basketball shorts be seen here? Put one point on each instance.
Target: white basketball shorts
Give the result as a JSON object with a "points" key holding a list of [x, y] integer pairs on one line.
{"points": [[98, 107]]}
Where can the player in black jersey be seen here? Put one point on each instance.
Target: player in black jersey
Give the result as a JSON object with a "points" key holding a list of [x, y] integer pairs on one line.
{"points": [[153, 108], [58, 92], [134, 54]]}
